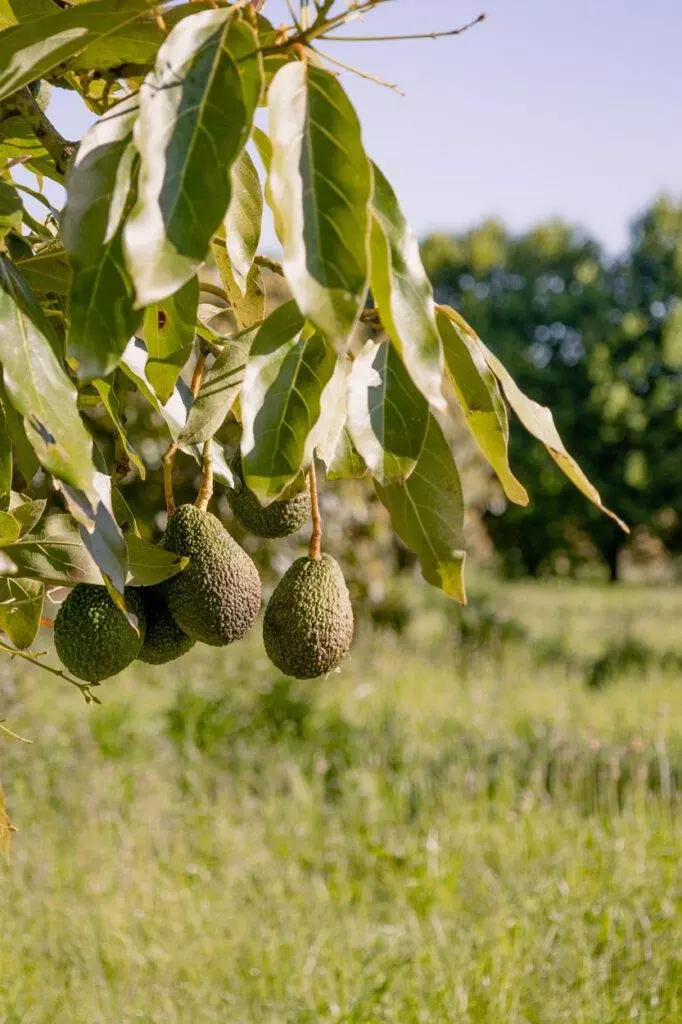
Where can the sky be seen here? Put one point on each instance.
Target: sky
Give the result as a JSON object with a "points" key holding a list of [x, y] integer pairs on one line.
{"points": [[549, 107]]}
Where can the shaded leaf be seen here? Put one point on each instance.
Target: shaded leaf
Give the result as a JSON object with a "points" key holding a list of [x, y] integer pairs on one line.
{"points": [[219, 390], [105, 389], [387, 415], [150, 564], [55, 553], [281, 400], [101, 299], [427, 513], [243, 218], [11, 208], [47, 272], [5, 461], [29, 50], [169, 330], [537, 419], [21, 605], [9, 529], [105, 542], [25, 458], [248, 307], [479, 396], [403, 293], [124, 515], [345, 463], [319, 187], [27, 511], [196, 108], [40, 390]]}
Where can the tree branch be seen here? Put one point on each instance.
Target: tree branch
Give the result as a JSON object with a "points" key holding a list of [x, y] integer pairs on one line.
{"points": [[23, 104], [417, 35]]}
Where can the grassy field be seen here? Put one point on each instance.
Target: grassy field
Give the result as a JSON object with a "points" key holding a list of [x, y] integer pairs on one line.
{"points": [[477, 821]]}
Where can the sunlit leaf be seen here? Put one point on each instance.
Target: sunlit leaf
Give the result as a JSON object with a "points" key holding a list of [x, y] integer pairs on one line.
{"points": [[281, 400], [27, 511], [21, 605], [219, 390], [55, 553], [248, 306], [319, 187], [243, 218], [387, 415], [105, 541], [345, 462], [40, 390], [479, 396], [169, 330], [427, 512], [403, 294], [9, 529], [107, 393], [99, 182], [537, 419], [150, 564], [196, 109]]}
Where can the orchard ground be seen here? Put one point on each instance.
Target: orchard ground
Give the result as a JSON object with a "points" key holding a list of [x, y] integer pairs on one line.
{"points": [[476, 821]]}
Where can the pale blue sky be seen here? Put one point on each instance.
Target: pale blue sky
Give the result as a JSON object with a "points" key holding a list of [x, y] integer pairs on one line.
{"points": [[548, 107]]}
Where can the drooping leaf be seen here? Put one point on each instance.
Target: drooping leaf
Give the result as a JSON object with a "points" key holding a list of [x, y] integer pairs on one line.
{"points": [[403, 293], [40, 390], [21, 605], [54, 552], [107, 393], [105, 541], [319, 187], [169, 330], [387, 415], [5, 461], [176, 409], [479, 396], [29, 50], [537, 419], [324, 437], [27, 511], [24, 458], [248, 306], [281, 400], [219, 390], [124, 516], [196, 109], [150, 564], [9, 529], [243, 218], [427, 513], [11, 208], [101, 299]]}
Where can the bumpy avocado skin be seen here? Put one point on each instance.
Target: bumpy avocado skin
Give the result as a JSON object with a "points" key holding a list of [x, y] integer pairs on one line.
{"points": [[279, 519], [164, 640], [308, 624], [93, 638], [217, 597]]}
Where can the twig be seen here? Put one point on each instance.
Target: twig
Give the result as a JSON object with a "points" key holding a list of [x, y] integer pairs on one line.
{"points": [[358, 71], [213, 289], [24, 105], [14, 735], [206, 490], [316, 535], [268, 264], [399, 38], [33, 659]]}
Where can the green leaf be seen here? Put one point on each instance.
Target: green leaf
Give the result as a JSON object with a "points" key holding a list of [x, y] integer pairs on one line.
{"points": [[11, 208], [107, 393], [319, 188], [40, 390], [243, 219], [28, 51], [219, 390], [21, 605], [124, 515], [47, 272], [5, 461], [24, 457], [101, 300], [55, 553], [196, 109], [13, 12], [387, 415], [345, 463], [537, 419], [403, 294], [176, 409], [281, 400], [150, 564], [324, 437], [104, 540], [169, 330], [479, 396], [9, 529], [427, 513], [27, 511], [248, 307]]}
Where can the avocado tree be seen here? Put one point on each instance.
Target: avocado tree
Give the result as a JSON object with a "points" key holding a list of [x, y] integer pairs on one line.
{"points": [[206, 111]]}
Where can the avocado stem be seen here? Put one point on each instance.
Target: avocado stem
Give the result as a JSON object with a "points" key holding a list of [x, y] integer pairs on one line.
{"points": [[206, 490], [316, 535]]}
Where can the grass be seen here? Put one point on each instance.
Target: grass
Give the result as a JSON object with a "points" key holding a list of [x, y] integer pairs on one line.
{"points": [[454, 828]]}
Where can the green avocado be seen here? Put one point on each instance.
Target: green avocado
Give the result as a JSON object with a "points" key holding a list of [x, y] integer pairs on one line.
{"points": [[308, 624], [164, 640], [93, 638], [279, 519], [217, 597]]}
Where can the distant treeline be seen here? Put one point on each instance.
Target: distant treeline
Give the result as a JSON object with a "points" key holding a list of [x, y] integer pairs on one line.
{"points": [[599, 339]]}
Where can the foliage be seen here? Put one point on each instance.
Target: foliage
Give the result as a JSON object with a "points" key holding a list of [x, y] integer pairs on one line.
{"points": [[601, 339], [102, 301]]}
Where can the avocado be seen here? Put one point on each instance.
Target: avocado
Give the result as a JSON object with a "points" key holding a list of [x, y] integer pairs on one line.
{"points": [[217, 597], [308, 624], [93, 638], [164, 640], [279, 519]]}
